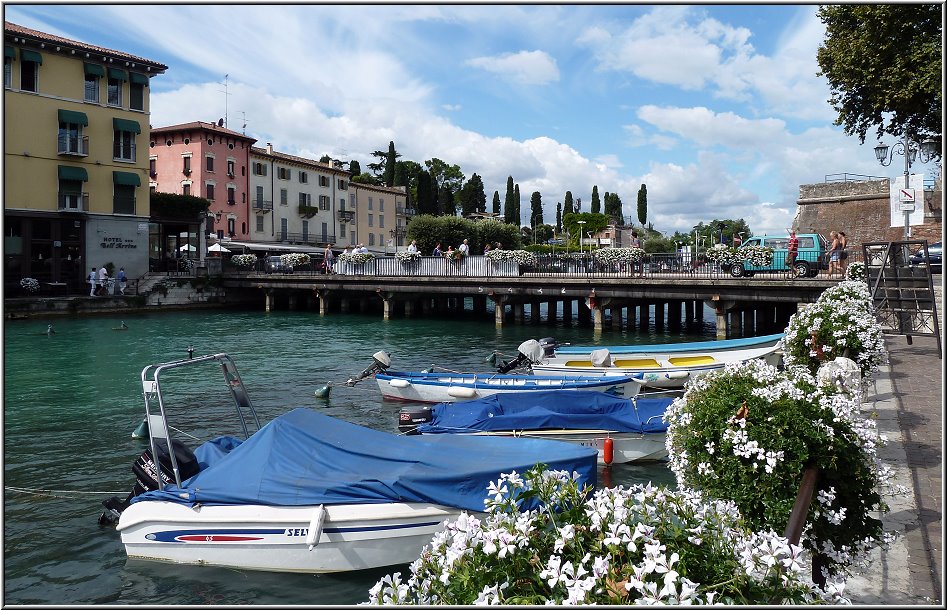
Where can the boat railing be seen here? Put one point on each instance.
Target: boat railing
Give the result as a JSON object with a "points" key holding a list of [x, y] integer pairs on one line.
{"points": [[156, 414]]}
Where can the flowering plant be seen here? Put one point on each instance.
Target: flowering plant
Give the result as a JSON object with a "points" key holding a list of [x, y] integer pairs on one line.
{"points": [[856, 271], [189, 264], [722, 255], [840, 323], [29, 284], [523, 257], [455, 255], [619, 255], [408, 258], [245, 261], [749, 431], [356, 258], [641, 545], [294, 259], [757, 256]]}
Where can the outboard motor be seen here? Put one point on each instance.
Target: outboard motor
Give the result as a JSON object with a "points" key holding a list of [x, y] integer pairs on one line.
{"points": [[409, 418], [530, 352], [382, 360], [549, 345], [601, 358], [147, 477]]}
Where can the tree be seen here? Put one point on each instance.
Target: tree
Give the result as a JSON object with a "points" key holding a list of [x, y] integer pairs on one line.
{"points": [[596, 206], [445, 174], [445, 201], [643, 204], [722, 229], [613, 207], [390, 159], [471, 196], [354, 168], [535, 209], [568, 207], [559, 217], [883, 61], [508, 207], [426, 203], [517, 215], [496, 202]]}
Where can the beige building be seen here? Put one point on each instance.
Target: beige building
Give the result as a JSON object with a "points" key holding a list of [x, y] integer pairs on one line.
{"points": [[76, 133], [380, 220]]}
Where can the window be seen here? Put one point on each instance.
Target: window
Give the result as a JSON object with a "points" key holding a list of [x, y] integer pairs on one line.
{"points": [[153, 167], [323, 181], [187, 188], [136, 96], [29, 71], [259, 169], [325, 232], [8, 54], [283, 229], [116, 79], [305, 230], [123, 147], [187, 165], [210, 163], [259, 195], [371, 220], [343, 185], [282, 173], [231, 196], [71, 141], [70, 195], [381, 221], [305, 199], [93, 75], [303, 177], [210, 191], [323, 202], [283, 197], [123, 199], [381, 205], [259, 223], [230, 168], [371, 204], [342, 230], [231, 226], [371, 239]]}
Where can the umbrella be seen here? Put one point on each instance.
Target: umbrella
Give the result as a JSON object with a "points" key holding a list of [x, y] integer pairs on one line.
{"points": [[217, 248], [187, 247]]}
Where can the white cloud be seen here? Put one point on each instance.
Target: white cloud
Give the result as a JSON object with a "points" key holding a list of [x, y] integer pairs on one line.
{"points": [[523, 67]]}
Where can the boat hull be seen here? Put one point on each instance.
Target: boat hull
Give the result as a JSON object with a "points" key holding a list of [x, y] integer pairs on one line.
{"points": [[437, 388], [277, 539], [626, 446]]}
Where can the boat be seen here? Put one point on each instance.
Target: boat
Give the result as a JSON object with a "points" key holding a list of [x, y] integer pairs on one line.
{"points": [[305, 492], [434, 387], [663, 366], [620, 430]]}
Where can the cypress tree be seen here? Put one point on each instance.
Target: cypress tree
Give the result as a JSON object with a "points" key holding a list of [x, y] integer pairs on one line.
{"points": [[568, 206], [390, 160], [642, 204], [508, 207], [558, 217], [425, 203], [517, 216], [496, 202], [536, 209], [596, 207]]}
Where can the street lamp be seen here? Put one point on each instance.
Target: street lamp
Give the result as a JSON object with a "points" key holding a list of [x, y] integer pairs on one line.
{"points": [[580, 223], [910, 150]]}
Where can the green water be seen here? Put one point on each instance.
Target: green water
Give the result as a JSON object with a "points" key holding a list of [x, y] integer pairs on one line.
{"points": [[72, 399]]}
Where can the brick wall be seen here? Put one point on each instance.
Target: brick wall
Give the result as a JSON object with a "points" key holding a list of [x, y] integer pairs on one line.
{"points": [[861, 209]]}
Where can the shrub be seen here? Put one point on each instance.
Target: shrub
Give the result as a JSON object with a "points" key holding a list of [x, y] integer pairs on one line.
{"points": [[408, 258], [619, 255], [722, 255], [518, 256], [294, 259], [244, 261], [29, 284], [356, 259], [857, 272], [755, 255]]}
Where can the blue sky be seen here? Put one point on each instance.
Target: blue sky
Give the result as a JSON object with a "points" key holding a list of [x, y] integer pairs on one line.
{"points": [[717, 109]]}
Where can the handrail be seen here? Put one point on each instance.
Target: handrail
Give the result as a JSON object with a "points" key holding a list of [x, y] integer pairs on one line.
{"points": [[797, 520]]}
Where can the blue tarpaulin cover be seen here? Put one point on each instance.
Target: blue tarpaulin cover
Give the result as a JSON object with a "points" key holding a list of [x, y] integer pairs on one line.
{"points": [[305, 458], [549, 410]]}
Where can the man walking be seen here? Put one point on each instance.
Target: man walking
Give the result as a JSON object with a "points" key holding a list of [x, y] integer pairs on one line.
{"points": [[792, 249]]}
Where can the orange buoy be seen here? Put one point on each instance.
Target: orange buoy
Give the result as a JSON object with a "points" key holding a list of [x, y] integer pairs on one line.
{"points": [[608, 451]]}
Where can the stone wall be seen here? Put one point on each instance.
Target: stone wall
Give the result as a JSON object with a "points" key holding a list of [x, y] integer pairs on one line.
{"points": [[861, 209]]}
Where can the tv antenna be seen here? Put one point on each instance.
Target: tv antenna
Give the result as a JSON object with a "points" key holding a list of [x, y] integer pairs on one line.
{"points": [[226, 94], [244, 128]]}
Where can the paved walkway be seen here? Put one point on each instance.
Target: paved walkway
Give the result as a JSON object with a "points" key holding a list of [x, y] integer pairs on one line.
{"points": [[908, 401]]}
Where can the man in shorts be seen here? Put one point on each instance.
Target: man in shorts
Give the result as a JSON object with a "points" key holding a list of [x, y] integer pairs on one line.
{"points": [[792, 250]]}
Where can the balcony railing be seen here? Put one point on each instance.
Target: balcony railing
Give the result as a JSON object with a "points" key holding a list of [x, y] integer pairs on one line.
{"points": [[308, 211], [410, 212], [346, 215], [261, 205], [74, 202], [305, 239], [73, 145]]}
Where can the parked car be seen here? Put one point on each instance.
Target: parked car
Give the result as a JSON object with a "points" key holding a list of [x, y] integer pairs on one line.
{"points": [[935, 253], [810, 257], [274, 264]]}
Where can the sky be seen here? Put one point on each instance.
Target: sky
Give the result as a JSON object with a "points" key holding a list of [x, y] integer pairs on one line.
{"points": [[717, 109]]}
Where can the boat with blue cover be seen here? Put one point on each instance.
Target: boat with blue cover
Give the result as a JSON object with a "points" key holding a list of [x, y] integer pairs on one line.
{"points": [[307, 492], [634, 428]]}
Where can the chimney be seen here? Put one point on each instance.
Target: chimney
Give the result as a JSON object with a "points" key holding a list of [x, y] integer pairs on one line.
{"points": [[269, 148]]}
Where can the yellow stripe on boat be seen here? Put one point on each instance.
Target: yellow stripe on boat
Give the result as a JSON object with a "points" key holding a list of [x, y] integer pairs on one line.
{"points": [[578, 363], [692, 360], [637, 363]]}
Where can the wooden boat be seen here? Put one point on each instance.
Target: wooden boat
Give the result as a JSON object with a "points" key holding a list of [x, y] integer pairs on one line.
{"points": [[307, 492], [620, 430], [666, 366], [437, 387]]}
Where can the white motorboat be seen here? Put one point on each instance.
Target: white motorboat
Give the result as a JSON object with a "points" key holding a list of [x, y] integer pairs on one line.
{"points": [[307, 492], [436, 387]]}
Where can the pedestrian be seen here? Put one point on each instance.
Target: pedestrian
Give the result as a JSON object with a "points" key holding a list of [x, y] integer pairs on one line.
{"points": [[843, 252], [93, 277], [346, 253], [792, 250], [122, 279], [834, 253], [498, 246], [464, 249], [362, 249], [450, 252], [486, 248], [413, 246], [328, 259], [103, 278], [437, 250]]}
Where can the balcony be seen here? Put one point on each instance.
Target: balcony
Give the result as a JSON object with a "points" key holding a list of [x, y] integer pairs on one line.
{"points": [[186, 171], [231, 202], [346, 215], [304, 239], [261, 205], [73, 202], [153, 173], [77, 146], [410, 212], [307, 211]]}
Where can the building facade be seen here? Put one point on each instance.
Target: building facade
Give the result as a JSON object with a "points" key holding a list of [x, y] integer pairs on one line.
{"points": [[380, 219], [75, 190]]}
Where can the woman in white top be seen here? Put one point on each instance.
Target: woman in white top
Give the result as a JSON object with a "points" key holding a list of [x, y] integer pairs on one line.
{"points": [[413, 246]]}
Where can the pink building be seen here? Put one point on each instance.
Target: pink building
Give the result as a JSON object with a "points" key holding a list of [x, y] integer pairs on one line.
{"points": [[210, 161]]}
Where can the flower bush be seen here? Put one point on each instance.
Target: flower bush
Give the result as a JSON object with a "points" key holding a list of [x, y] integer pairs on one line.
{"points": [[856, 271], [722, 255], [294, 259], [29, 284], [840, 323], [523, 257], [408, 258], [641, 545], [454, 255], [755, 255], [244, 261], [610, 256], [356, 258], [748, 431]]}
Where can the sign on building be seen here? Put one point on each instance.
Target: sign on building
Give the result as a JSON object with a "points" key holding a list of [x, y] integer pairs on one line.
{"points": [[903, 200]]}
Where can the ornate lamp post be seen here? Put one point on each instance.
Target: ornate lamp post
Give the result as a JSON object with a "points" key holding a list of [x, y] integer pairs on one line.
{"points": [[910, 151]]}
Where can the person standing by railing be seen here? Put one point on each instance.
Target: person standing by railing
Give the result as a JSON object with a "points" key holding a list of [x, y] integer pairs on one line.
{"points": [[843, 252], [413, 246], [792, 249]]}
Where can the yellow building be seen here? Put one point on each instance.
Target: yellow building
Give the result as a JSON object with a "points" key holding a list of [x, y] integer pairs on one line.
{"points": [[378, 218], [76, 133]]}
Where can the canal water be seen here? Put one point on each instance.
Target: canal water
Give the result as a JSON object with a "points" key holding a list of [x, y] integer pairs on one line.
{"points": [[72, 399]]}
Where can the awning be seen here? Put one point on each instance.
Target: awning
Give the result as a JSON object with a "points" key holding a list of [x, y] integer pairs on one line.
{"points": [[9, 51], [75, 118], [126, 178], [70, 172], [138, 79], [94, 69], [117, 74], [126, 125], [262, 246], [33, 56]]}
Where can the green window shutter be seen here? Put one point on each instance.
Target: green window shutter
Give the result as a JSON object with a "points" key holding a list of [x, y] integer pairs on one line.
{"points": [[138, 79], [76, 118], [70, 172], [93, 69], [118, 74], [9, 51], [33, 56], [126, 178], [126, 125]]}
